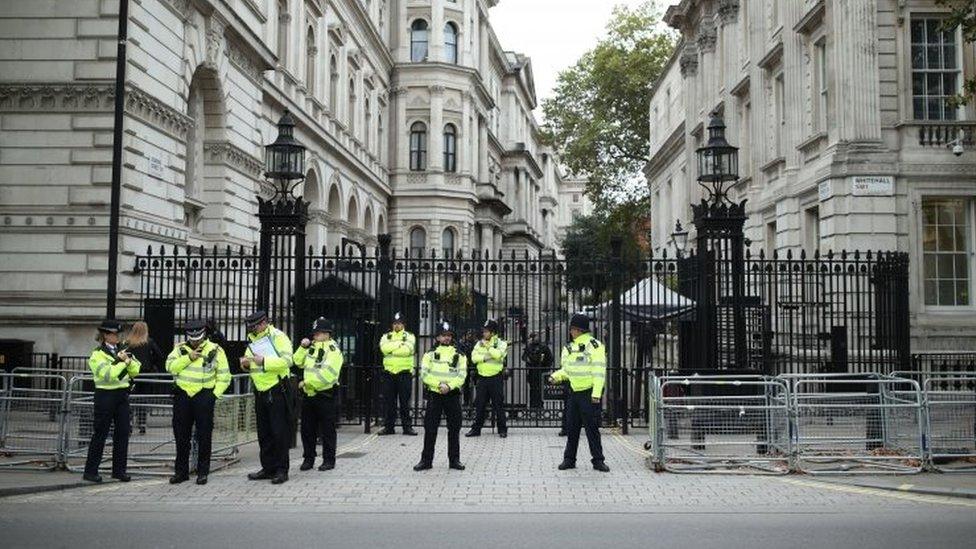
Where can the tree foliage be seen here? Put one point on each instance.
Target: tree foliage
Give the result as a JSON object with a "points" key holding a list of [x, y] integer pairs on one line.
{"points": [[963, 15], [598, 116], [587, 248]]}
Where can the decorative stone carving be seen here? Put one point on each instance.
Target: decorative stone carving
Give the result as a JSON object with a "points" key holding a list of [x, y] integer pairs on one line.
{"points": [[66, 97], [181, 7], [707, 36], [245, 63], [224, 152], [688, 62], [215, 41], [142, 105], [728, 11]]}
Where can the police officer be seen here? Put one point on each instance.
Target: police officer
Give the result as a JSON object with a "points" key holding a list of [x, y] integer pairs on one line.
{"points": [[397, 347], [584, 365], [270, 368], [112, 368], [201, 374], [321, 360], [537, 357], [442, 372], [489, 356]]}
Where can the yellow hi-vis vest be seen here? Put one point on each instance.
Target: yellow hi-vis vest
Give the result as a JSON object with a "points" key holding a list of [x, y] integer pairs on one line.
{"points": [[584, 364], [397, 349], [443, 364], [265, 377], [489, 356], [321, 362], [209, 371], [106, 370]]}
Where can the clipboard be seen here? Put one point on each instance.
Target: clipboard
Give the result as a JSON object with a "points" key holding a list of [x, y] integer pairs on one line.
{"points": [[263, 347]]}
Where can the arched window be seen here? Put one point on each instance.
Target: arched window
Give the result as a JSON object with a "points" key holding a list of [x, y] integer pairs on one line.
{"points": [[352, 106], [418, 242], [368, 127], [450, 43], [418, 41], [334, 85], [310, 56], [284, 18], [418, 147], [447, 242], [450, 148]]}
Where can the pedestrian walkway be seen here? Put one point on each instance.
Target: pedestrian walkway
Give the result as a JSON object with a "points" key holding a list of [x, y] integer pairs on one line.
{"points": [[516, 474]]}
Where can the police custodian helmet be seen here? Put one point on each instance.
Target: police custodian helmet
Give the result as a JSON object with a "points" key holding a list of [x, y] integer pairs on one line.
{"points": [[444, 328], [195, 330], [491, 325], [580, 322], [322, 324]]}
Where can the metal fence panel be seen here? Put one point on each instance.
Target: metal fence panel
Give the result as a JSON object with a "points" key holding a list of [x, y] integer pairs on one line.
{"points": [[31, 407], [727, 424], [950, 402], [856, 424], [152, 448]]}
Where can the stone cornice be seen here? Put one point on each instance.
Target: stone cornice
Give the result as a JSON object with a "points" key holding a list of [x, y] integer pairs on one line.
{"points": [[227, 153], [61, 97], [142, 105]]}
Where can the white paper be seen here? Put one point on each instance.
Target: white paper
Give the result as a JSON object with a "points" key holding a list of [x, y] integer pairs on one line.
{"points": [[263, 347]]}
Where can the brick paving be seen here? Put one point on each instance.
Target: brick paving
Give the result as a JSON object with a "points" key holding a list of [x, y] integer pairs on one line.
{"points": [[504, 475]]}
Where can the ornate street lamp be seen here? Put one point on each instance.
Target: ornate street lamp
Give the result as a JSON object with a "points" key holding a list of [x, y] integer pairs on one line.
{"points": [[718, 162], [679, 238], [284, 160]]}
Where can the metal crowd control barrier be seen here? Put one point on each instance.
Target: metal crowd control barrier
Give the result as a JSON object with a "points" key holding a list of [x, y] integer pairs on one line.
{"points": [[950, 418], [30, 419], [152, 448], [856, 423], [720, 424]]}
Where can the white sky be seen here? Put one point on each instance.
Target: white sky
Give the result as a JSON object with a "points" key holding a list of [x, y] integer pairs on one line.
{"points": [[554, 33]]}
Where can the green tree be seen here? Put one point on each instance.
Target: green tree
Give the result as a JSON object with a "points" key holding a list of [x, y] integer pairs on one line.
{"points": [[598, 116], [963, 15], [586, 247]]}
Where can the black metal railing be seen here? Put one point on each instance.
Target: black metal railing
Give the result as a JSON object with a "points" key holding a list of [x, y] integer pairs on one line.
{"points": [[786, 314]]}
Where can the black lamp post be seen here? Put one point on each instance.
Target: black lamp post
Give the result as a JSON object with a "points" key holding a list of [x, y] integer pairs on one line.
{"points": [[718, 162], [679, 238], [284, 160], [719, 251], [283, 219]]}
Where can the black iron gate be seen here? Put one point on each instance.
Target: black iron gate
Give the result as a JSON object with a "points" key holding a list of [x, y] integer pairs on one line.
{"points": [[831, 312]]}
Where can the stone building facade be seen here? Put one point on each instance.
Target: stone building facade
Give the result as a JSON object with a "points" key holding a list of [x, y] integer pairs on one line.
{"points": [[827, 100], [417, 123]]}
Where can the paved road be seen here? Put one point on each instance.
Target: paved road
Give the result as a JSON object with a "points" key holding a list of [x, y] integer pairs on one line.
{"points": [[510, 496]]}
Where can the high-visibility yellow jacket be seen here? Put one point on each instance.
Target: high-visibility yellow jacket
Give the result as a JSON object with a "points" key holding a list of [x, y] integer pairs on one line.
{"points": [[584, 364], [264, 377], [489, 356], [107, 370], [397, 349], [443, 364], [208, 371], [321, 362]]}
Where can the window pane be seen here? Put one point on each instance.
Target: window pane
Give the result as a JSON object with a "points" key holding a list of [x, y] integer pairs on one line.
{"points": [[962, 266], [918, 57], [947, 292], [918, 32], [934, 108], [931, 296], [949, 57], [933, 57], [918, 108], [945, 239], [928, 263], [960, 238], [945, 266], [932, 30], [962, 292]]}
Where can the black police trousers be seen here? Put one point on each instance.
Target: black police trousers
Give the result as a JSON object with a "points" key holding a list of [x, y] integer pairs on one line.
{"points": [[111, 408], [450, 406], [397, 387], [319, 419], [583, 413], [189, 412], [490, 388], [273, 429]]}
